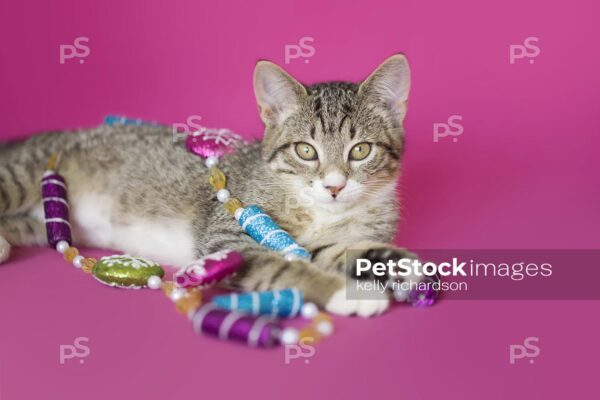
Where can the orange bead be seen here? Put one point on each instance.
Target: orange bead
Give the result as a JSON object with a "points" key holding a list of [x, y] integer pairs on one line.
{"points": [[167, 288], [183, 305], [195, 293], [88, 265], [187, 304], [71, 253], [310, 333]]}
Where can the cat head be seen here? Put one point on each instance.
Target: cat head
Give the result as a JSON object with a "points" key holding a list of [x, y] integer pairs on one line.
{"points": [[337, 144]]}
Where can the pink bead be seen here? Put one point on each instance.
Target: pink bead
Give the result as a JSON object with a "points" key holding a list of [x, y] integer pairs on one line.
{"points": [[212, 142], [209, 270]]}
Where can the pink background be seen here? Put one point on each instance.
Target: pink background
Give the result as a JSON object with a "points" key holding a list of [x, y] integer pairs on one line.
{"points": [[524, 174]]}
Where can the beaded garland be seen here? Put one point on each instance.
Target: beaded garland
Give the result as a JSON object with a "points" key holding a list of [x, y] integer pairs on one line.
{"points": [[226, 323], [246, 317]]}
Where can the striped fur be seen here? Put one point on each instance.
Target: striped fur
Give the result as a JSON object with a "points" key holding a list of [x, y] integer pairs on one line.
{"points": [[130, 184]]}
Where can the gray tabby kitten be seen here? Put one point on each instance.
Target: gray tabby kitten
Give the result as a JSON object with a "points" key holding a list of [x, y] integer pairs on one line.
{"points": [[326, 171]]}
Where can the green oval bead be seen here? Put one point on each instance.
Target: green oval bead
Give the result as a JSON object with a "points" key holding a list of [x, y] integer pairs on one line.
{"points": [[126, 271]]}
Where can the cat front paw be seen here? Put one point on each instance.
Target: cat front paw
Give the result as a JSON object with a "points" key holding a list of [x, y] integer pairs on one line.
{"points": [[4, 250], [341, 305]]}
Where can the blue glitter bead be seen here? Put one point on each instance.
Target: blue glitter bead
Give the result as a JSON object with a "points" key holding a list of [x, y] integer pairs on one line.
{"points": [[299, 252], [279, 303], [265, 231], [116, 120]]}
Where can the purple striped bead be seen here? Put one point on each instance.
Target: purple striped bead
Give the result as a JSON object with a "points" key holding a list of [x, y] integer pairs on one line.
{"points": [[56, 208], [232, 325]]}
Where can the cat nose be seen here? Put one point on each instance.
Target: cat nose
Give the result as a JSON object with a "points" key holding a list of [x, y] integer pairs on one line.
{"points": [[334, 181], [335, 190]]}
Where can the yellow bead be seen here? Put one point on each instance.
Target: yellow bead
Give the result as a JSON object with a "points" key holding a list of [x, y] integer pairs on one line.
{"points": [[88, 265], [232, 204], [52, 162], [71, 253], [217, 179]]}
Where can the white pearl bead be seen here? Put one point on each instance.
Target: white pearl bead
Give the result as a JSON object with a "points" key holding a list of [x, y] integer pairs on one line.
{"points": [[62, 246], [289, 336], [211, 161], [223, 195], [401, 295], [238, 213], [78, 261], [290, 257], [309, 311], [177, 294], [154, 282], [325, 328]]}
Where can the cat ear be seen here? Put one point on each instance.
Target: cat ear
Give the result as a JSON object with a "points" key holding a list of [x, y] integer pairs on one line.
{"points": [[389, 85], [277, 93]]}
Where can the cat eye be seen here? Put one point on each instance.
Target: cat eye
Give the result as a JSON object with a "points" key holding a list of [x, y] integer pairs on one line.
{"points": [[306, 152], [360, 152]]}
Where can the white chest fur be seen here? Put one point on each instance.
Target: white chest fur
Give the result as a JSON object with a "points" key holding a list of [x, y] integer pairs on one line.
{"points": [[94, 223], [345, 225], [326, 222]]}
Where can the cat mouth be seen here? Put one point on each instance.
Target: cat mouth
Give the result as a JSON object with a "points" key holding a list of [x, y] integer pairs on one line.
{"points": [[322, 196], [334, 199]]}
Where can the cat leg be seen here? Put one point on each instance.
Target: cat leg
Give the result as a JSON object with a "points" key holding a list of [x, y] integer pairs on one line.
{"points": [[4, 249], [23, 230], [20, 230], [20, 183], [342, 259], [20, 175], [268, 270]]}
